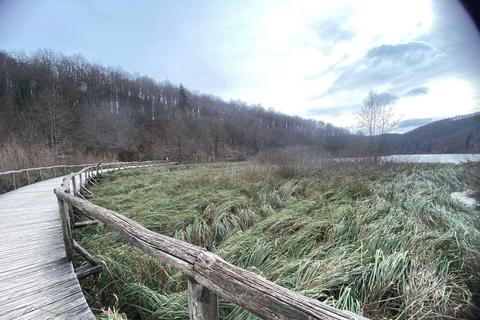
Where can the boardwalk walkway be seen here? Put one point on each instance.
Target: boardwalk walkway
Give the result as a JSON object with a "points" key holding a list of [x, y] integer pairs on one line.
{"points": [[36, 280]]}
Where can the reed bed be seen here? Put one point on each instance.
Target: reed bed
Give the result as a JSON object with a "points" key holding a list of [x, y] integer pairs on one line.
{"points": [[387, 242]]}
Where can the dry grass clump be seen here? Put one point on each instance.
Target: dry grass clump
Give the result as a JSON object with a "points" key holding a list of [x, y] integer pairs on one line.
{"points": [[15, 156], [384, 241]]}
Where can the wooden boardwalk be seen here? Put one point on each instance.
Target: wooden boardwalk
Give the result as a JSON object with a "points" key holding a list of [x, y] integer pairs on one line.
{"points": [[36, 280]]}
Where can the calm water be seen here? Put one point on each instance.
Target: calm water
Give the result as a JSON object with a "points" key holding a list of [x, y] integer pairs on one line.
{"points": [[435, 158]]}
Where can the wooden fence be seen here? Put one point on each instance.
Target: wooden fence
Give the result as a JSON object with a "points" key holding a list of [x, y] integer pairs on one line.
{"points": [[11, 180], [14, 179], [208, 274]]}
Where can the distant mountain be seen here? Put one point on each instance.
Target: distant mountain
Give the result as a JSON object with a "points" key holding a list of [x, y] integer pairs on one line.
{"points": [[460, 134], [411, 124]]}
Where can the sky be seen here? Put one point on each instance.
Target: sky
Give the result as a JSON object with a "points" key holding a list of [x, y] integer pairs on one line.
{"points": [[315, 59]]}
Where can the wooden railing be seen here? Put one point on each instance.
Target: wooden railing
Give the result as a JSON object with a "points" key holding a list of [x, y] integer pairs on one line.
{"points": [[208, 274], [14, 179]]}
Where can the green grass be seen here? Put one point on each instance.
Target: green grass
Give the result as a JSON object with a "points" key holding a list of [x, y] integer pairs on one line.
{"points": [[387, 242]]}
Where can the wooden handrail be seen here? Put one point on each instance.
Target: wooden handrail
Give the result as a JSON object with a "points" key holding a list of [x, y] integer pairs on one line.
{"points": [[47, 168], [209, 275], [14, 182]]}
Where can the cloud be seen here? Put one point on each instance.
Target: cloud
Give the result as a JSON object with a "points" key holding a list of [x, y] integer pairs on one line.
{"points": [[418, 91], [387, 98], [405, 54], [331, 30], [393, 65], [334, 29]]}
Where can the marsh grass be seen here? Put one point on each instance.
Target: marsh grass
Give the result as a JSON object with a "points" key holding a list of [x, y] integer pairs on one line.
{"points": [[384, 241]]}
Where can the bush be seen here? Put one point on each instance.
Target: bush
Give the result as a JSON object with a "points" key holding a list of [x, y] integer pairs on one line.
{"points": [[290, 161]]}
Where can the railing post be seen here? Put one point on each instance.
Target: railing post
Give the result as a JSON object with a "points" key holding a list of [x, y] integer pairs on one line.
{"points": [[65, 170], [74, 184], [40, 174], [13, 181], [67, 232], [27, 177], [68, 206], [202, 303], [54, 172]]}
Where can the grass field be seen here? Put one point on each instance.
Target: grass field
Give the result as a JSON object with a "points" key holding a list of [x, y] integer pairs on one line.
{"points": [[386, 242]]}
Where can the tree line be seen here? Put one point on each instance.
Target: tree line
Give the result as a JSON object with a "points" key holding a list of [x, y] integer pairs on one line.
{"points": [[69, 104], [460, 134]]}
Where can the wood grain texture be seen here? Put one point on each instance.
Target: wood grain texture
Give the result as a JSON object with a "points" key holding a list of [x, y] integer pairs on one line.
{"points": [[202, 302], [36, 280]]}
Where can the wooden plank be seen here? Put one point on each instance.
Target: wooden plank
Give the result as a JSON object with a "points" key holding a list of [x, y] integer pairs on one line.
{"points": [[36, 280], [21, 291], [17, 241], [19, 224], [18, 284], [31, 269], [27, 256], [53, 307]]}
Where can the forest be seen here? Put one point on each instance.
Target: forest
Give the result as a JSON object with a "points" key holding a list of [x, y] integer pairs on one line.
{"points": [[460, 134], [59, 109], [63, 107]]}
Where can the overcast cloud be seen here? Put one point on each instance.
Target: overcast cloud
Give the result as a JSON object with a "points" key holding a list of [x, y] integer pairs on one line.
{"points": [[418, 91], [309, 58]]}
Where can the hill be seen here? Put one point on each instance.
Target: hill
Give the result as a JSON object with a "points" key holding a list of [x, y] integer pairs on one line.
{"points": [[61, 106], [460, 134], [58, 109]]}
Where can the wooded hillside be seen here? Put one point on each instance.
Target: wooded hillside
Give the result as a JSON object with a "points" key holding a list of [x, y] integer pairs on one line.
{"points": [[69, 105], [58, 109], [460, 134]]}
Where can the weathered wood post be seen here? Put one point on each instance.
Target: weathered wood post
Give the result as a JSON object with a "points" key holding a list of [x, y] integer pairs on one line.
{"points": [[67, 232], [40, 174], [74, 185], [27, 177], [68, 206], [54, 172], [13, 181], [202, 303]]}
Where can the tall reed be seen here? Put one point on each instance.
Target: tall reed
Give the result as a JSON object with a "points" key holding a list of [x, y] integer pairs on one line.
{"points": [[388, 242]]}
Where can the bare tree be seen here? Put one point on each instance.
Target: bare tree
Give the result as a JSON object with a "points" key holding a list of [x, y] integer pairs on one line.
{"points": [[375, 119], [53, 118]]}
